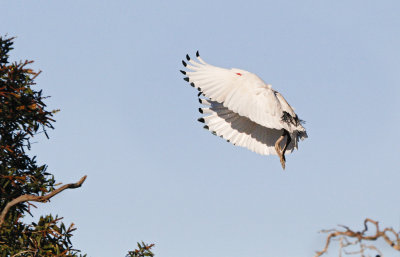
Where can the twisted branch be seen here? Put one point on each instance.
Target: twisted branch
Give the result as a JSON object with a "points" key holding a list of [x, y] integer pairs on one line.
{"points": [[360, 236], [35, 198]]}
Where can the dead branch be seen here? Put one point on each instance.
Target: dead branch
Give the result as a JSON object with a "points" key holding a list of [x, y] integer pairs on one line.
{"points": [[360, 236], [36, 198]]}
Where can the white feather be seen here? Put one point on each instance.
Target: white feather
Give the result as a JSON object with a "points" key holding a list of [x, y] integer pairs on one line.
{"points": [[242, 108], [242, 92]]}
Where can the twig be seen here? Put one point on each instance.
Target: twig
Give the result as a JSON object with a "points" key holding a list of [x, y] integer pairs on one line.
{"points": [[35, 198], [360, 236]]}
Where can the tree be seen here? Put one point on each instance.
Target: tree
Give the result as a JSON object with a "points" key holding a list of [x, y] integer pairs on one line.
{"points": [[23, 115]]}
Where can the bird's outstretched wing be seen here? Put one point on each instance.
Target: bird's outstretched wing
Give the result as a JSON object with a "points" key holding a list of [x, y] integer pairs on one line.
{"points": [[240, 130], [240, 91]]}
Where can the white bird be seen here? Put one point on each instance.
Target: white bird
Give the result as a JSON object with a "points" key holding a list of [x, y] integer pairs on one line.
{"points": [[245, 110]]}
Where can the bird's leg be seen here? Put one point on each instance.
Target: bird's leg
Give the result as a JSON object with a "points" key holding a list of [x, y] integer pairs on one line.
{"points": [[288, 140], [279, 151]]}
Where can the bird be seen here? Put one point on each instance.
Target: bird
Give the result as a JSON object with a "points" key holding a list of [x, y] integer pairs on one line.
{"points": [[244, 110]]}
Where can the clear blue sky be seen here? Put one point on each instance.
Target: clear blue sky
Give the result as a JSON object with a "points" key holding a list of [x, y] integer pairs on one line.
{"points": [[128, 121]]}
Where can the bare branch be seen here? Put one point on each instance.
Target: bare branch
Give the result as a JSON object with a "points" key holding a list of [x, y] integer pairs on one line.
{"points": [[328, 241], [35, 198], [360, 236]]}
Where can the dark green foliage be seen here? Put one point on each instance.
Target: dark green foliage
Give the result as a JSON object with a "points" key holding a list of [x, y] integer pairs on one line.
{"points": [[45, 238], [22, 116], [142, 251]]}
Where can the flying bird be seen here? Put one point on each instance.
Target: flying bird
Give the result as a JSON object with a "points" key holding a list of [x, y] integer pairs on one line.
{"points": [[244, 110]]}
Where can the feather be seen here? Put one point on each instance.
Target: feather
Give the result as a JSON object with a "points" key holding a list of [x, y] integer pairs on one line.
{"points": [[241, 108]]}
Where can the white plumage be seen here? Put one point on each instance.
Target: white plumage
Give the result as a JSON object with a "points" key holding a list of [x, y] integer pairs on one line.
{"points": [[245, 110]]}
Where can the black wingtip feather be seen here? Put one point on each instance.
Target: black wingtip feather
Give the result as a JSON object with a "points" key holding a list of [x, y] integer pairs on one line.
{"points": [[199, 94], [187, 57], [184, 63], [200, 110], [197, 53], [192, 84], [206, 127], [199, 89], [201, 120], [200, 101], [187, 79], [183, 72]]}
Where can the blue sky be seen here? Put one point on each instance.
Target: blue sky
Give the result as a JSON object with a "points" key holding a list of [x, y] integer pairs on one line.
{"points": [[128, 121]]}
